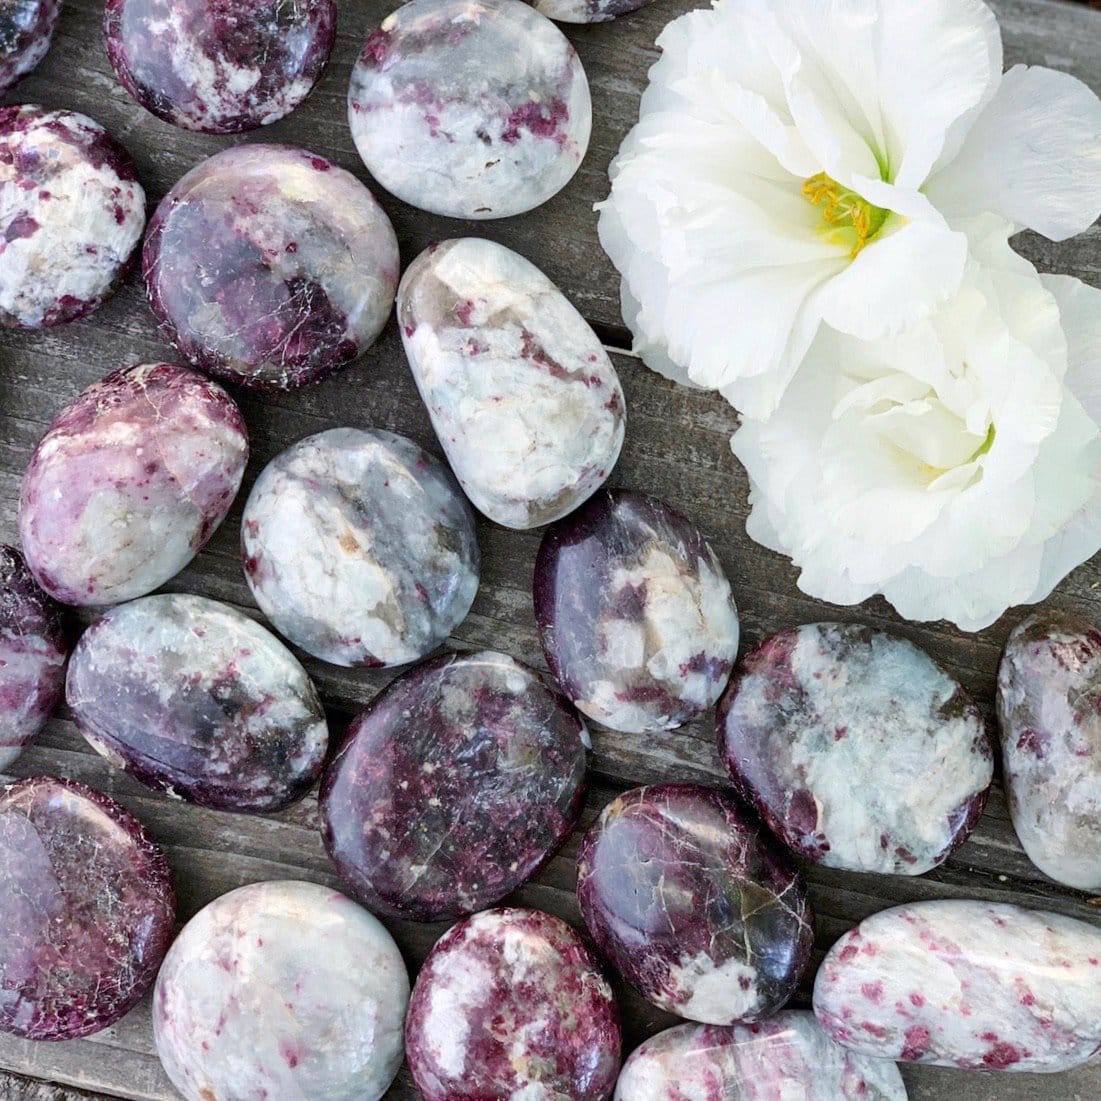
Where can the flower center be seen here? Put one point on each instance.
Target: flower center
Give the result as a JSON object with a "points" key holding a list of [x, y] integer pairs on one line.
{"points": [[848, 219]]}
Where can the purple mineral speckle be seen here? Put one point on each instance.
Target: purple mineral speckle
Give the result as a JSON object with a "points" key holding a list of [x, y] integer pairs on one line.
{"points": [[26, 31]]}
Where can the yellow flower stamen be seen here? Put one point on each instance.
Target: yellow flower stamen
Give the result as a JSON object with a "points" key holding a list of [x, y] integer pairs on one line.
{"points": [[848, 219]]}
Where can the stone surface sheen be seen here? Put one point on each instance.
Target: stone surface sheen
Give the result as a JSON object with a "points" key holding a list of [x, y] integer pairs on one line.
{"points": [[587, 11], [360, 548], [453, 787], [130, 481], [856, 748], [1049, 711], [522, 395], [699, 911], [32, 656], [635, 613], [71, 214], [220, 66], [786, 1058], [26, 31], [510, 1004], [194, 699], [470, 108], [980, 985], [281, 990], [88, 909], [270, 267]]}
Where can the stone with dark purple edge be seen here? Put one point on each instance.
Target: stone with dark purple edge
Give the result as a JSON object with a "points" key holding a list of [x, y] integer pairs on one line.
{"points": [[470, 108], [454, 787], [635, 613], [698, 909], [26, 32], [219, 66], [270, 267], [88, 909], [857, 749], [511, 1004], [521, 393], [130, 481], [787, 1056], [33, 649], [979, 985], [587, 11], [360, 548], [196, 700], [71, 214], [281, 990]]}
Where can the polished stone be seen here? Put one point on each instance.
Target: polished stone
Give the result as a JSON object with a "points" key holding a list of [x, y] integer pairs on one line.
{"points": [[586, 11], [26, 32]]}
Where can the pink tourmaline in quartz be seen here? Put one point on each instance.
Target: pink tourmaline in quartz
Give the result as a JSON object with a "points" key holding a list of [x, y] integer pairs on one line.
{"points": [[26, 31]]}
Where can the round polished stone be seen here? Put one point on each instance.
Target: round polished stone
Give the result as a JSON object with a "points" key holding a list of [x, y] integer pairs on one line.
{"points": [[88, 909], [511, 1004], [71, 214], [220, 66], [453, 787], [360, 548], [130, 481], [270, 267], [470, 108], [26, 31], [281, 990], [699, 911], [587, 11]]}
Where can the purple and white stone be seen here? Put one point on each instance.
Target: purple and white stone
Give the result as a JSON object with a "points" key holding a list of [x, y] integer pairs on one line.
{"points": [[454, 787], [511, 1004], [130, 481], [635, 613], [194, 699], [470, 108], [281, 990], [1049, 712], [586, 11], [88, 909], [698, 910], [980, 985], [71, 214], [26, 32], [786, 1058], [521, 393], [33, 649], [360, 548], [856, 748], [219, 66], [270, 267]]}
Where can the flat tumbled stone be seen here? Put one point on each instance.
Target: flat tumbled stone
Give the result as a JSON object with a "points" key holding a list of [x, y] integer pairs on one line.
{"points": [[71, 214], [470, 108], [193, 698], [587, 11], [635, 613], [88, 909], [26, 32], [130, 481], [511, 1004], [219, 66], [360, 548], [980, 985], [270, 267], [699, 910], [281, 990], [857, 749], [453, 787], [522, 395]]}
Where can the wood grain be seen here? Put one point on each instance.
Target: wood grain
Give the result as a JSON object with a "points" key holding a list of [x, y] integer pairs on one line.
{"points": [[677, 448]]}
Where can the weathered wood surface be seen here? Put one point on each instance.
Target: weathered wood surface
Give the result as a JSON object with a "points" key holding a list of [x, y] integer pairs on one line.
{"points": [[676, 447]]}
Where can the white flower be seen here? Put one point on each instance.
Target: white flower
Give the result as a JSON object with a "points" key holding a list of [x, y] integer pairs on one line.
{"points": [[956, 468], [800, 162]]}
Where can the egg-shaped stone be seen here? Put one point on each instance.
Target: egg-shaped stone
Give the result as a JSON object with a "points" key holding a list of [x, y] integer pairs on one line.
{"points": [[193, 698], [26, 32], [130, 481], [360, 548], [88, 909], [470, 108], [586, 11], [453, 787], [698, 909], [71, 214], [270, 267], [522, 395], [281, 990], [635, 613]]}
